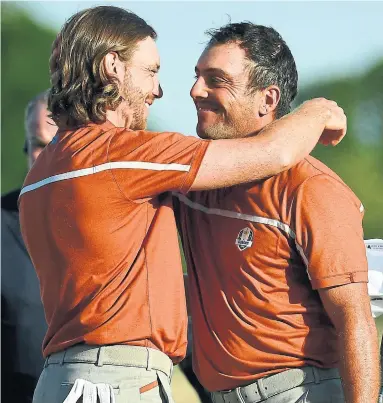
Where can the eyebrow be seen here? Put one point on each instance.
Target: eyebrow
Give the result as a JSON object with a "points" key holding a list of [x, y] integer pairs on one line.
{"points": [[214, 70], [154, 67]]}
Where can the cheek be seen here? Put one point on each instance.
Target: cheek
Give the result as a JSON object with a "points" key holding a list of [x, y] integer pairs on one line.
{"points": [[243, 115], [222, 97], [148, 85], [227, 100]]}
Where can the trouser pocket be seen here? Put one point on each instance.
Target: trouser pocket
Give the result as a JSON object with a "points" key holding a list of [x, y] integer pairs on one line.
{"points": [[164, 384], [83, 391]]}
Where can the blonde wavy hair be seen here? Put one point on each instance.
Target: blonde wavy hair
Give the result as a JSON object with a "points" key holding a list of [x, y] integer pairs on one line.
{"points": [[81, 91]]}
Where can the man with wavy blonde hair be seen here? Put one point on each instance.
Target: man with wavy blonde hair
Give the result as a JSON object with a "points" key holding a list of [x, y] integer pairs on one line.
{"points": [[102, 188]]}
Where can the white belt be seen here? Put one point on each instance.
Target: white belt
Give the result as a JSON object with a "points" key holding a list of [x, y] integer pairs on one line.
{"points": [[124, 355], [269, 386]]}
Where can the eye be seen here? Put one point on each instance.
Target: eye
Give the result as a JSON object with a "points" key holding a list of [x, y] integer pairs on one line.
{"points": [[214, 80], [153, 72]]}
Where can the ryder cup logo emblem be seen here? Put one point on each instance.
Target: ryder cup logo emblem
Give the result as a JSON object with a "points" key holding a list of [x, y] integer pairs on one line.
{"points": [[244, 239]]}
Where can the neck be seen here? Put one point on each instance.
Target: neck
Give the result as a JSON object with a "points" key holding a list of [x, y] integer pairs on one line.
{"points": [[259, 125], [265, 121], [121, 117]]}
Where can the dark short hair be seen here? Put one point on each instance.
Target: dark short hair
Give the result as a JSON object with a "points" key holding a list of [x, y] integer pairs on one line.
{"points": [[81, 92], [273, 63]]}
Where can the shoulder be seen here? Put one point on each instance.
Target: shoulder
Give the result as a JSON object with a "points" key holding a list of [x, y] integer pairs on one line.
{"points": [[314, 176], [323, 183], [308, 169], [9, 200], [147, 135], [151, 146]]}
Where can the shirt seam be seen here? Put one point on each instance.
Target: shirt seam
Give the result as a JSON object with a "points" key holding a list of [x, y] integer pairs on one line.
{"points": [[113, 176], [195, 156], [294, 228], [195, 153], [147, 281], [349, 273], [327, 175]]}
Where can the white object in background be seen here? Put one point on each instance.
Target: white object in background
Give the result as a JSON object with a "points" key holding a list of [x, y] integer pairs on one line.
{"points": [[374, 250]]}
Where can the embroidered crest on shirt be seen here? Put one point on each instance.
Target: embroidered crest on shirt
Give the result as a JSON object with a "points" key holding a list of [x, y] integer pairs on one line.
{"points": [[244, 239]]}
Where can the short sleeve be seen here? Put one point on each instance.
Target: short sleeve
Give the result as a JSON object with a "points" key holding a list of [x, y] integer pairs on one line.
{"points": [[327, 220], [146, 164]]}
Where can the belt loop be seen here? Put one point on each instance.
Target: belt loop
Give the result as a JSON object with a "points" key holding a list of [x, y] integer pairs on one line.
{"points": [[239, 395], [261, 389], [100, 356], [63, 358], [171, 370], [149, 360], [46, 362], [316, 373]]}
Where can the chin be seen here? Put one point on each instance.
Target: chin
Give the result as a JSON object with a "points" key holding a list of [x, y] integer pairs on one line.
{"points": [[214, 132], [202, 133]]}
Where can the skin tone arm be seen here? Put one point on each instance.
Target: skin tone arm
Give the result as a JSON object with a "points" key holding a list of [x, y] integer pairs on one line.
{"points": [[278, 147], [348, 307]]}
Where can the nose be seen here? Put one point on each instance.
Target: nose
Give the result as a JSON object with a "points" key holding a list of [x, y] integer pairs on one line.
{"points": [[199, 89], [157, 89]]}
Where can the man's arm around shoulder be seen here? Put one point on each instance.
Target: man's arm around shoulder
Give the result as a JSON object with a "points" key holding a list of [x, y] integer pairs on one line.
{"points": [[276, 148]]}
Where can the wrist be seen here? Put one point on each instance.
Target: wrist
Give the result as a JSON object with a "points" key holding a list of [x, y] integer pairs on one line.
{"points": [[317, 107]]}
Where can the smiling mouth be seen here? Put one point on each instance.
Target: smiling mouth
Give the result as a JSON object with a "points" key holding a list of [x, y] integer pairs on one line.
{"points": [[206, 109]]}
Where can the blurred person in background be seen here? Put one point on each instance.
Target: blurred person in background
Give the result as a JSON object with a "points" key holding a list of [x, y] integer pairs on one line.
{"points": [[277, 268], [23, 323], [98, 198]]}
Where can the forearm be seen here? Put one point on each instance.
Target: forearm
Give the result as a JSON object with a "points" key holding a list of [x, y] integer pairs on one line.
{"points": [[278, 147], [359, 362], [294, 136]]}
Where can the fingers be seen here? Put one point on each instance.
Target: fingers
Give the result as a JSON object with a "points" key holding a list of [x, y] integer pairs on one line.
{"points": [[335, 120], [332, 137]]}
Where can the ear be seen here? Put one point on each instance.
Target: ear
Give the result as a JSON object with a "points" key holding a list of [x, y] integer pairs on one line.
{"points": [[114, 67], [270, 99]]}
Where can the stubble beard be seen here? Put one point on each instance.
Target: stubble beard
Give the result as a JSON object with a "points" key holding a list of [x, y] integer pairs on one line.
{"points": [[230, 127], [136, 102], [221, 130]]}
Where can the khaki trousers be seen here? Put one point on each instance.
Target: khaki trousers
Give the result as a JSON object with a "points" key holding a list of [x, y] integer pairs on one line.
{"points": [[105, 374]]}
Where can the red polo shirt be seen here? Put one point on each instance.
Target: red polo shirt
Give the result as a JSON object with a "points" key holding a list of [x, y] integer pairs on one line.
{"points": [[256, 255], [101, 233]]}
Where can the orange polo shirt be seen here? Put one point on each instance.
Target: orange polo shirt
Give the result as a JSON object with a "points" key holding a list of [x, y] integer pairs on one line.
{"points": [[256, 255], [101, 233]]}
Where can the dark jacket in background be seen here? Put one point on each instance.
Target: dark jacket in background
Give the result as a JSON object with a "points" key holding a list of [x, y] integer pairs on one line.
{"points": [[23, 323]]}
